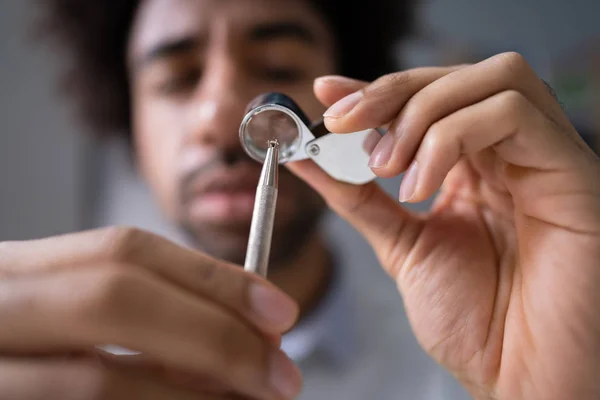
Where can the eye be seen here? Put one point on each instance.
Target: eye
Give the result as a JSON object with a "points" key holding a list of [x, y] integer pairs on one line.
{"points": [[283, 74], [179, 83]]}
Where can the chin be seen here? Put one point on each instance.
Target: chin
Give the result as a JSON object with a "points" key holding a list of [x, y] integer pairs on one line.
{"points": [[224, 242], [220, 227]]}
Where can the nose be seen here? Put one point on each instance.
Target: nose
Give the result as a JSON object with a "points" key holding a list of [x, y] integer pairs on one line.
{"points": [[217, 107]]}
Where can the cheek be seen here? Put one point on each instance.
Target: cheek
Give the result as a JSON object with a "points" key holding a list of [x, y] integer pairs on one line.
{"points": [[157, 142]]}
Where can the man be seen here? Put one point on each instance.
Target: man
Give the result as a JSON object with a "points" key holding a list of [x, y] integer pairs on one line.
{"points": [[499, 282]]}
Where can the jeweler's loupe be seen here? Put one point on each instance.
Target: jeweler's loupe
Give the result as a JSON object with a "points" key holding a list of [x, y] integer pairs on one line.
{"points": [[274, 116]]}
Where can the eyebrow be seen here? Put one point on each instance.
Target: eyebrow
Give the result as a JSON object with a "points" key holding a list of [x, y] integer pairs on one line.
{"points": [[283, 29], [258, 33], [168, 49]]}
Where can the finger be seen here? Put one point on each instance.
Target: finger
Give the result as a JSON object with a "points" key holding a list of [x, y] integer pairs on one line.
{"points": [[142, 363], [450, 93], [379, 103], [129, 307], [468, 131], [519, 133], [33, 379], [248, 295], [332, 88], [275, 340], [390, 229]]}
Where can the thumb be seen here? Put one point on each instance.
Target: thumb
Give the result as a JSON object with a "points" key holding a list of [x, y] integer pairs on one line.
{"points": [[390, 229]]}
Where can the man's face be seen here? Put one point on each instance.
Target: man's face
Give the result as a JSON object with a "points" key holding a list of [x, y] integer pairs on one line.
{"points": [[194, 67]]}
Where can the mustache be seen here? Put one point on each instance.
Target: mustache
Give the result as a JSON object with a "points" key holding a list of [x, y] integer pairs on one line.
{"points": [[218, 164], [223, 172], [219, 160], [214, 164]]}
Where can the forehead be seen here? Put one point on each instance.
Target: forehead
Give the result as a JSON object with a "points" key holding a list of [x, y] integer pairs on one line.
{"points": [[162, 20]]}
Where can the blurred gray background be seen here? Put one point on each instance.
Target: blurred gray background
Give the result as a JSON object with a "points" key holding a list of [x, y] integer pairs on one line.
{"points": [[55, 180]]}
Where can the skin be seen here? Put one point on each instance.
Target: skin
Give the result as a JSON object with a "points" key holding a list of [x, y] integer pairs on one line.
{"points": [[499, 280]]}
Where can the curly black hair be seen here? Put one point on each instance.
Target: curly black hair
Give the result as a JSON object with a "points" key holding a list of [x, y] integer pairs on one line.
{"points": [[94, 34]]}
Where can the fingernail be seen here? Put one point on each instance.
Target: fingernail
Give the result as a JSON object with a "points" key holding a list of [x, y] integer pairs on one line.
{"points": [[371, 141], [383, 151], [285, 376], [409, 182], [337, 80], [344, 106], [273, 306]]}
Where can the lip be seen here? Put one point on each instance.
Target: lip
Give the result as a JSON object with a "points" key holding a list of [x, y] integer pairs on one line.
{"points": [[225, 180], [224, 196]]}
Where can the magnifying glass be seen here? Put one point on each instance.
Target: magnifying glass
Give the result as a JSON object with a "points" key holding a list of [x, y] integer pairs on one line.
{"points": [[275, 116]]}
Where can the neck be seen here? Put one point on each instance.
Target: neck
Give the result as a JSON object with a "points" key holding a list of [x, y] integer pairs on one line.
{"points": [[307, 277]]}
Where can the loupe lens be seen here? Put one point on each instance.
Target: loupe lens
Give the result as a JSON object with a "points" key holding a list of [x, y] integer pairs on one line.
{"points": [[264, 125]]}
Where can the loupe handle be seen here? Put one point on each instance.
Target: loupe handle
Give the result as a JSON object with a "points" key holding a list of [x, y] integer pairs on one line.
{"points": [[344, 157]]}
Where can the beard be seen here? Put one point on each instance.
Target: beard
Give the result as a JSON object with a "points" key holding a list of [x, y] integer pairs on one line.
{"points": [[297, 217], [230, 243]]}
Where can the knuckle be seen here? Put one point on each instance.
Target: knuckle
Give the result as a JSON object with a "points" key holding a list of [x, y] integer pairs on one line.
{"points": [[225, 282], [381, 98], [512, 107], [228, 285], [108, 295], [514, 57], [435, 136], [512, 101], [388, 82], [208, 275], [399, 79], [513, 62], [121, 244]]}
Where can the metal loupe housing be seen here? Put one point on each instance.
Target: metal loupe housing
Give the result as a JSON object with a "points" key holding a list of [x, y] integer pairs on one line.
{"points": [[275, 116]]}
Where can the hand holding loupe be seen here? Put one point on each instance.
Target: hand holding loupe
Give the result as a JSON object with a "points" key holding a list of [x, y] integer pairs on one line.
{"points": [[274, 116]]}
